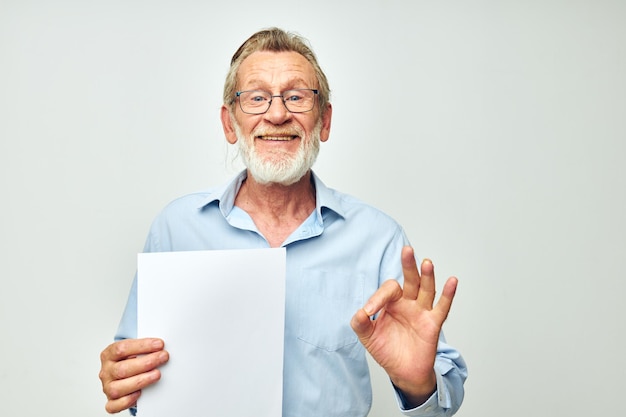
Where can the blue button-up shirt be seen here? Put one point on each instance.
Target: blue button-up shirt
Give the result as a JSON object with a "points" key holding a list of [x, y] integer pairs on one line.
{"points": [[336, 260]]}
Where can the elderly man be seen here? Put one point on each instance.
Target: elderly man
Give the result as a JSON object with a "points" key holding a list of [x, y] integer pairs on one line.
{"points": [[352, 280]]}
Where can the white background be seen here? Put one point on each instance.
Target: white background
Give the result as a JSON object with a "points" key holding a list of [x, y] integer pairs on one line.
{"points": [[494, 131]]}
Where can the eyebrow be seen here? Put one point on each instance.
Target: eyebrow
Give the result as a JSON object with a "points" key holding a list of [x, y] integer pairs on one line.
{"points": [[289, 86]]}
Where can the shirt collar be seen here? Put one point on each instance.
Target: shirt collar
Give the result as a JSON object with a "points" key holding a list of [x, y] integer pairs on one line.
{"points": [[225, 196]]}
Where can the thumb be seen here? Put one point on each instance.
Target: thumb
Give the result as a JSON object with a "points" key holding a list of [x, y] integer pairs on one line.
{"points": [[362, 325]]}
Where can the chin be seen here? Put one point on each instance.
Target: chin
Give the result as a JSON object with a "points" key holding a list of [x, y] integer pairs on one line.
{"points": [[280, 168], [277, 176]]}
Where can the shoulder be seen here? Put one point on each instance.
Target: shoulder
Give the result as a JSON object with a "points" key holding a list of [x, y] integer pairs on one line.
{"points": [[188, 203], [184, 223], [222, 196], [352, 208], [196, 199], [186, 211]]}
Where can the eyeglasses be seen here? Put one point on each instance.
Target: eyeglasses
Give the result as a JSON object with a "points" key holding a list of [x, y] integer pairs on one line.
{"points": [[258, 101]]}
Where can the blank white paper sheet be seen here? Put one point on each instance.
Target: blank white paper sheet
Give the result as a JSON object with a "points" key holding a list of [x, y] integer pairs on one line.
{"points": [[221, 315]]}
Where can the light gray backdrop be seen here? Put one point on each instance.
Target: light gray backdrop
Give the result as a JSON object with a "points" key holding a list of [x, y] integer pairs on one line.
{"points": [[494, 131]]}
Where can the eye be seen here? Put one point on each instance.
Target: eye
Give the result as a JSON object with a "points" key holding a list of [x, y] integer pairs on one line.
{"points": [[293, 96], [257, 97]]}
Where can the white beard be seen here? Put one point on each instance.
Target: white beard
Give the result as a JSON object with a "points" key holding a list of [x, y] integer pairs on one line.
{"points": [[280, 167]]}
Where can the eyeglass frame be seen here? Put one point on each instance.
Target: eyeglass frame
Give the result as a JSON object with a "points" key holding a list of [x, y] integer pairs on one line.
{"points": [[315, 92]]}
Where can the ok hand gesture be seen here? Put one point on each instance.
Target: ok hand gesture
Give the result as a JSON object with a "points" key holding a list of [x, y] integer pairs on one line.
{"points": [[403, 338]]}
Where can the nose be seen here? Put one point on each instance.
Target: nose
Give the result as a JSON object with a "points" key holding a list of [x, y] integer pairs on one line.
{"points": [[277, 113]]}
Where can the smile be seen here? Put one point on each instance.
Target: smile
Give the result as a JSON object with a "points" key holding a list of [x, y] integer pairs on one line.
{"points": [[277, 138]]}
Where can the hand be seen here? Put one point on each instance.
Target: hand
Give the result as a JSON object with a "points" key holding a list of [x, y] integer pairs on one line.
{"points": [[403, 338], [128, 366]]}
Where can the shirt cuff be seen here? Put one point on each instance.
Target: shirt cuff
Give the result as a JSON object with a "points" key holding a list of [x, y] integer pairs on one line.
{"points": [[433, 407], [427, 409]]}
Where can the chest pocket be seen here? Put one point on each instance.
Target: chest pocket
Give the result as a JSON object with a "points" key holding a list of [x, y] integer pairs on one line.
{"points": [[327, 300]]}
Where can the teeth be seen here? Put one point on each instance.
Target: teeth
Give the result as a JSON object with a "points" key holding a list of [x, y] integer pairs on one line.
{"points": [[278, 138]]}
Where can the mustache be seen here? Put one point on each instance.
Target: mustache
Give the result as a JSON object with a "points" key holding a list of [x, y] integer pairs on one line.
{"points": [[288, 131]]}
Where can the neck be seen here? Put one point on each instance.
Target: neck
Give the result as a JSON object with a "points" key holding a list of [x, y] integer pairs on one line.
{"points": [[282, 199], [277, 210]]}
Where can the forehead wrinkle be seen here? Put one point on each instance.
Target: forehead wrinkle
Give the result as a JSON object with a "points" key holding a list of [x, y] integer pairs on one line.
{"points": [[292, 83], [265, 70]]}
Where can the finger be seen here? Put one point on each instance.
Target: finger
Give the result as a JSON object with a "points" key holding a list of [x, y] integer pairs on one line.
{"points": [[131, 347], [121, 404], [389, 291], [362, 325], [139, 365], [410, 272], [427, 290], [445, 301], [118, 389]]}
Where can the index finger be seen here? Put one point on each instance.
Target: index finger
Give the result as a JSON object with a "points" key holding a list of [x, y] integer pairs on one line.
{"points": [[131, 347]]}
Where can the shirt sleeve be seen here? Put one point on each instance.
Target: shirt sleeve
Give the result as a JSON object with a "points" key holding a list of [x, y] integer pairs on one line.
{"points": [[127, 328], [451, 373], [450, 368]]}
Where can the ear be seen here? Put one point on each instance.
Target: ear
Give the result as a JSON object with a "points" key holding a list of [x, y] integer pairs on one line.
{"points": [[227, 125], [326, 118]]}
